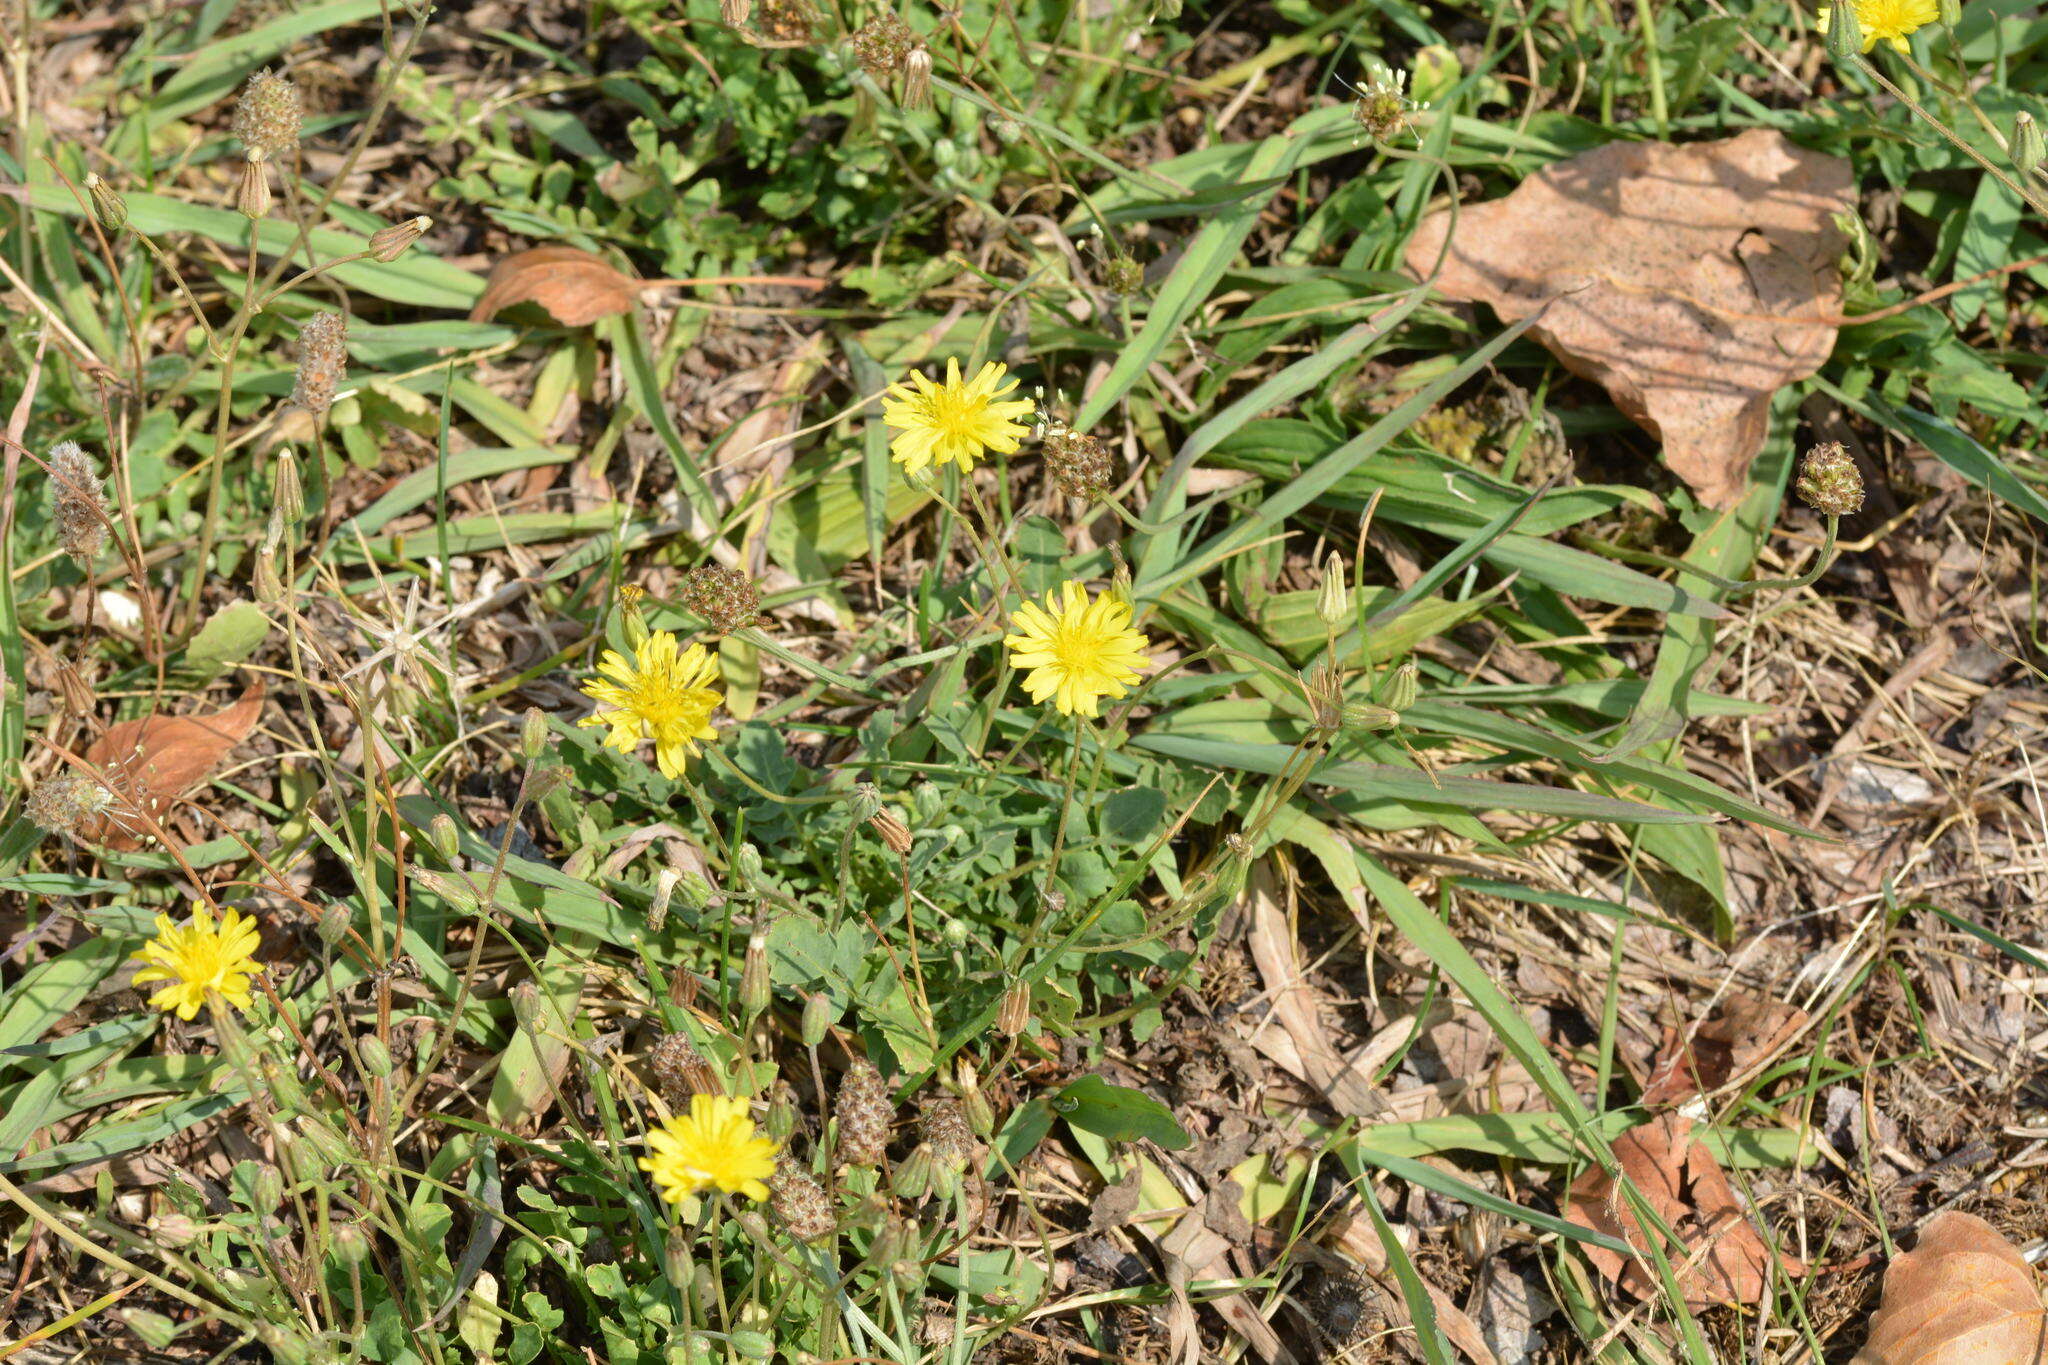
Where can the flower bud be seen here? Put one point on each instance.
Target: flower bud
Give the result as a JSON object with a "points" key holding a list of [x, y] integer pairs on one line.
{"points": [[664, 892], [913, 1178], [755, 989], [533, 733], [817, 1021], [107, 206], [2028, 148], [752, 1345], [333, 924], [252, 188], [676, 1261], [267, 1189], [974, 1103], [1829, 480], [892, 832], [695, 891], [1333, 594], [526, 1006], [1015, 1011], [780, 1120], [1845, 32], [376, 1056], [1402, 687], [286, 488], [1950, 12], [350, 1244], [542, 783], [746, 865], [917, 78], [632, 624], [444, 838], [172, 1229], [388, 244], [1359, 715]]}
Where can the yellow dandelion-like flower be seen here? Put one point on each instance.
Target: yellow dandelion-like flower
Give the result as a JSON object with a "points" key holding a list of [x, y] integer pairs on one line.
{"points": [[664, 693], [957, 421], [1889, 20], [1077, 651], [198, 956], [713, 1145]]}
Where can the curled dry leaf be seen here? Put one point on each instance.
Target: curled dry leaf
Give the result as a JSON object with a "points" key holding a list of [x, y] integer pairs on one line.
{"points": [[1724, 1261], [1692, 282], [1962, 1296], [148, 764], [575, 287], [1742, 1038]]}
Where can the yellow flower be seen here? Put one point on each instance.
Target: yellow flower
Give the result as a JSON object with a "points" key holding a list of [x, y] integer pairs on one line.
{"points": [[198, 956], [1077, 651], [955, 421], [664, 693], [713, 1145], [1890, 20]]}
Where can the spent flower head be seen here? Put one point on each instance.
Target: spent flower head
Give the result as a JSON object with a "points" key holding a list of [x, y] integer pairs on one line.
{"points": [[1077, 463], [881, 44], [1891, 21], [1829, 480], [59, 803], [664, 693], [1077, 651], [726, 598], [267, 117], [323, 358], [1382, 107], [955, 421], [80, 502], [714, 1146], [199, 956]]}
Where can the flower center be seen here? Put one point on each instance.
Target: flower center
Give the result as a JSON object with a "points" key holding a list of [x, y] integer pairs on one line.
{"points": [[953, 415]]}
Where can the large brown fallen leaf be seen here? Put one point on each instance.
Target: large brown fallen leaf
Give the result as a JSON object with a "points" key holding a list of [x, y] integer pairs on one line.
{"points": [[1724, 1261], [148, 764], [575, 287], [1744, 1036], [1675, 277], [1961, 1296]]}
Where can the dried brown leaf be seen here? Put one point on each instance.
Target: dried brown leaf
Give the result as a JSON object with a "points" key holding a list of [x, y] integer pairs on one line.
{"points": [[1962, 1296], [1724, 1262], [1743, 1036], [575, 287], [1676, 277], [148, 764]]}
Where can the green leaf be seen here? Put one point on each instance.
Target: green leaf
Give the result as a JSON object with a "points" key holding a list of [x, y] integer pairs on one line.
{"points": [[229, 636], [1118, 1113]]}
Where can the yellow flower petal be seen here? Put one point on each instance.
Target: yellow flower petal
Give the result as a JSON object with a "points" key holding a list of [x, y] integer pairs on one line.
{"points": [[1076, 652]]}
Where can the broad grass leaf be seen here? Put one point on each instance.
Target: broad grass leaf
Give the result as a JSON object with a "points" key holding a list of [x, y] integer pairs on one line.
{"points": [[148, 764], [573, 286], [1962, 1296]]}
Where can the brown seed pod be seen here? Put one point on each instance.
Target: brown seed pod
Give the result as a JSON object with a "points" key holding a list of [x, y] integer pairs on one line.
{"points": [[799, 1203], [80, 502]]}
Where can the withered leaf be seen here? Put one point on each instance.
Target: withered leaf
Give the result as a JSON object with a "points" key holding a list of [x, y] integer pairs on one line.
{"points": [[1962, 1296], [1677, 277], [575, 287], [148, 764], [1742, 1038], [1724, 1261]]}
